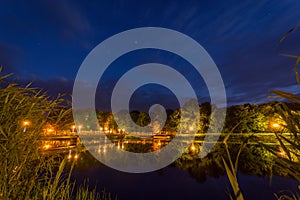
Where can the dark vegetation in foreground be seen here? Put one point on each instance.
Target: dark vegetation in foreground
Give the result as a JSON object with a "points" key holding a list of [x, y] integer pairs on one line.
{"points": [[26, 173]]}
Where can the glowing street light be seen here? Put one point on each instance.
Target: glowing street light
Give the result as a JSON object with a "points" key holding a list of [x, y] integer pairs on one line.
{"points": [[159, 143], [73, 128], [275, 125], [50, 130], [25, 124], [79, 128], [193, 148], [47, 146]]}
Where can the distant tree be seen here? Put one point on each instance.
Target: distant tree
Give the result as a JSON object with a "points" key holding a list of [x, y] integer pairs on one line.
{"points": [[167, 126], [103, 117], [144, 119], [205, 111], [135, 115], [174, 120]]}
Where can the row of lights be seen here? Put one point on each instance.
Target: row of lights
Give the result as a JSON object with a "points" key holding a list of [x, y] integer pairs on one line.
{"points": [[106, 130], [27, 123]]}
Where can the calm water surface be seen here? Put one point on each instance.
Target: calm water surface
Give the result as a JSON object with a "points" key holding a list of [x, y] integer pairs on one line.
{"points": [[188, 178], [173, 183]]}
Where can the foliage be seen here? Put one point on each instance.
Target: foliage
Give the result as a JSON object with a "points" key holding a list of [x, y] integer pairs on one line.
{"points": [[27, 173], [231, 169], [290, 160]]}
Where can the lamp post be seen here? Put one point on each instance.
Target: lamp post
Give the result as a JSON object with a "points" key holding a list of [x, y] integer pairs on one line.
{"points": [[283, 150], [73, 129], [25, 124]]}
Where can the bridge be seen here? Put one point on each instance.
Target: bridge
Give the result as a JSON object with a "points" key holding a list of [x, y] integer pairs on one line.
{"points": [[71, 141]]}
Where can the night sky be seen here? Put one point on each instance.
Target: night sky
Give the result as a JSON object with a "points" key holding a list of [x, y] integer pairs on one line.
{"points": [[46, 42]]}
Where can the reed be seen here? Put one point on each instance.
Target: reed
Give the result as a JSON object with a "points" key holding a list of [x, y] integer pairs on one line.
{"points": [[25, 172]]}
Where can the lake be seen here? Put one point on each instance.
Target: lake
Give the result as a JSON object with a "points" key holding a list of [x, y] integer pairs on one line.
{"points": [[190, 177]]}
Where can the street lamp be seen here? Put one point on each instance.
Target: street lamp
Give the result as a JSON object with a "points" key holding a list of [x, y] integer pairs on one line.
{"points": [[50, 130], [73, 128], [193, 148], [25, 124], [275, 125], [47, 146]]}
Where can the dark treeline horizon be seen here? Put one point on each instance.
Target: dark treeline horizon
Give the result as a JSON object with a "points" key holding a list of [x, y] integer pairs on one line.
{"points": [[245, 118]]}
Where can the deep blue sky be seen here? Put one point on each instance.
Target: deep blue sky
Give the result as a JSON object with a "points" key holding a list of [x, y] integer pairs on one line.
{"points": [[46, 41]]}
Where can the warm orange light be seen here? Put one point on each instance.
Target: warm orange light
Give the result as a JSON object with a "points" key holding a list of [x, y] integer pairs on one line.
{"points": [[76, 156], [69, 156], [73, 126], [193, 148], [47, 146], [282, 152], [26, 123], [191, 128], [49, 130], [275, 125]]}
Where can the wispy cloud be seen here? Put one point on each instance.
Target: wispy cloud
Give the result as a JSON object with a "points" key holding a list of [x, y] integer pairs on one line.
{"points": [[71, 19]]}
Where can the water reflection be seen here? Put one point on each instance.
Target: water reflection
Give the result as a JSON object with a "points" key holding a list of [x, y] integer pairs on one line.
{"points": [[254, 159]]}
